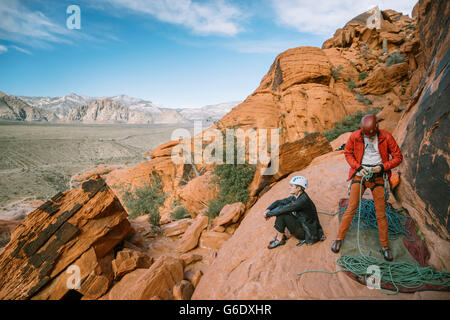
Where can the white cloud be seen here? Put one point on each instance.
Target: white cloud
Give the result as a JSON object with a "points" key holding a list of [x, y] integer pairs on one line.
{"points": [[3, 49], [19, 24], [325, 16], [20, 49], [213, 17]]}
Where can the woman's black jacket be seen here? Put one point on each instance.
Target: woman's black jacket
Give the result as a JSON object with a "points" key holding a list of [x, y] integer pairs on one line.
{"points": [[304, 210]]}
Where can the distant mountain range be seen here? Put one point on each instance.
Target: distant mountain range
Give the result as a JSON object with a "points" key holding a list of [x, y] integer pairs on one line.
{"points": [[116, 109]]}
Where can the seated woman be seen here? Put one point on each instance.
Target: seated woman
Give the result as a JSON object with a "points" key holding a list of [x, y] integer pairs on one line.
{"points": [[298, 214]]}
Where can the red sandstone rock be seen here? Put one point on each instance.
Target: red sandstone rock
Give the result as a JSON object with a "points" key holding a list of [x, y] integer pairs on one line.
{"points": [[197, 193], [143, 284], [339, 141], [230, 213], [196, 278], [189, 258], [183, 290], [164, 150], [177, 227], [6, 228], [422, 134], [190, 237], [384, 78], [79, 227], [213, 239], [128, 260], [292, 156]]}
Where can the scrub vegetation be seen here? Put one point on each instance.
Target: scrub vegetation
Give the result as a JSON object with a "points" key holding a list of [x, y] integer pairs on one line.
{"points": [[351, 122]]}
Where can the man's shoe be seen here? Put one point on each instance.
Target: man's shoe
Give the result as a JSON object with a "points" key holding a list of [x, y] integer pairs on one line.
{"points": [[387, 254], [336, 246]]}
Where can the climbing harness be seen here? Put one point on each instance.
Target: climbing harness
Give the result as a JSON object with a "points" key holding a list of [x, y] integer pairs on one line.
{"points": [[402, 274]]}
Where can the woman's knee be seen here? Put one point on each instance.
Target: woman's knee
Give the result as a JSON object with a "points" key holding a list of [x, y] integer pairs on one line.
{"points": [[280, 224]]}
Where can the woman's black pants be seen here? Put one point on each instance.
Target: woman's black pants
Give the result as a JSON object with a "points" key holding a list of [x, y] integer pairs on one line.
{"points": [[287, 220]]}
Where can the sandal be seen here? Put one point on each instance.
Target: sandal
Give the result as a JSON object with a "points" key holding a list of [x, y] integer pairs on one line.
{"points": [[275, 242]]}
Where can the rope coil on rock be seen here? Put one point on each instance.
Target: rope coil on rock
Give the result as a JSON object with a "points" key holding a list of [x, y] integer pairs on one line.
{"points": [[402, 274]]}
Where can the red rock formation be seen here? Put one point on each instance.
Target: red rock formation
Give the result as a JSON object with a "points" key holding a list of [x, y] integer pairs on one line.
{"points": [[306, 88], [144, 284], [423, 132], [383, 79], [190, 237], [197, 193], [177, 227], [230, 213], [128, 260], [183, 290], [339, 141], [293, 156], [6, 228], [213, 239], [80, 227]]}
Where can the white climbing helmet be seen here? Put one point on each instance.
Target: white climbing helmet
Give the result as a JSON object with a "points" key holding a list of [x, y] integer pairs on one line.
{"points": [[300, 181]]}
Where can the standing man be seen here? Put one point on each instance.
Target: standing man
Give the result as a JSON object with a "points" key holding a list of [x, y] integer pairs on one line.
{"points": [[369, 149]]}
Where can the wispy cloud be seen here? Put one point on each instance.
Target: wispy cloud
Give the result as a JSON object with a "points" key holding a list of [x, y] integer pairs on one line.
{"points": [[3, 49], [323, 17], [269, 45], [20, 49], [263, 46], [204, 18], [21, 25], [32, 28]]}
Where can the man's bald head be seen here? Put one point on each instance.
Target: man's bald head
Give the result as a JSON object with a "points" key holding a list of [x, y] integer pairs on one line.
{"points": [[369, 125]]}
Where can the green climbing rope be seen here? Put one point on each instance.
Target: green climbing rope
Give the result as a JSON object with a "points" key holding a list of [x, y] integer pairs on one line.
{"points": [[328, 213], [402, 274]]}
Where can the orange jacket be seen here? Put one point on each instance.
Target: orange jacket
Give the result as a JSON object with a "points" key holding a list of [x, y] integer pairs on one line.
{"points": [[354, 151]]}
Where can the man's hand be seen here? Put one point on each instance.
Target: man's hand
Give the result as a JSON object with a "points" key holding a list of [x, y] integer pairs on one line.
{"points": [[363, 171], [377, 169]]}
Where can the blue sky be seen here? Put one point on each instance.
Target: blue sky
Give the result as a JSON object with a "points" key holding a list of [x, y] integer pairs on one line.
{"points": [[178, 53]]}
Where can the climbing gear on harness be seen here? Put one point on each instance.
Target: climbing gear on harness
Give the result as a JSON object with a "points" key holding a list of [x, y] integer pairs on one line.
{"points": [[385, 184], [300, 181], [275, 242], [394, 180]]}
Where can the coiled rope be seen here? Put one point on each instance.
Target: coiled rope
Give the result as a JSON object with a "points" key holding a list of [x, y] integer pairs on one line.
{"points": [[402, 274], [398, 224]]}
